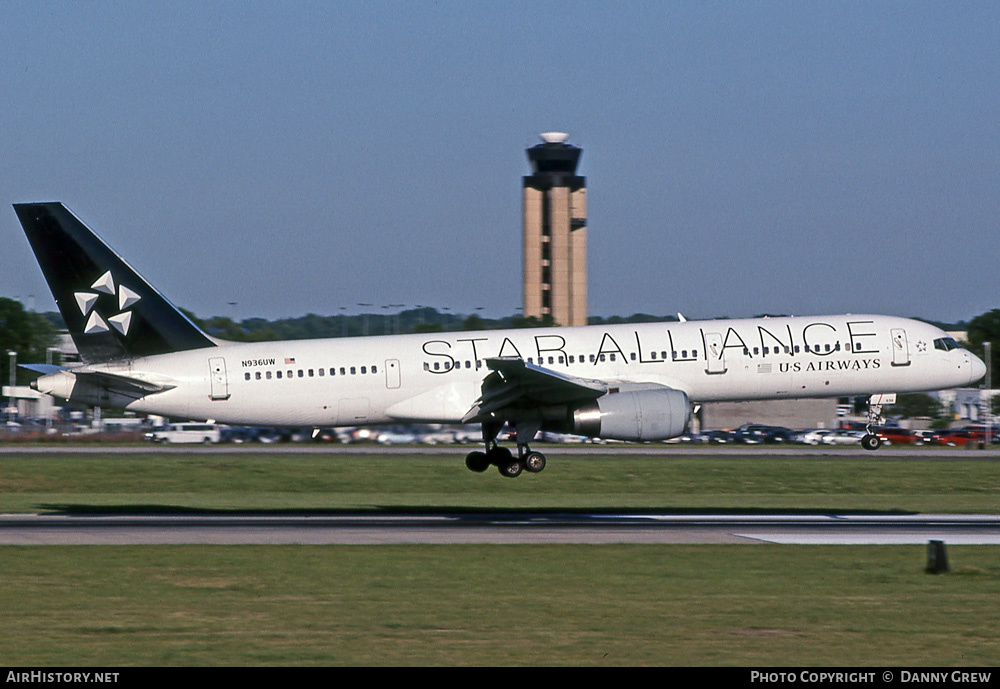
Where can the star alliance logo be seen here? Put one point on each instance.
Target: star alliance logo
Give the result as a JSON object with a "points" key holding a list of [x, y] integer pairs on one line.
{"points": [[87, 300]]}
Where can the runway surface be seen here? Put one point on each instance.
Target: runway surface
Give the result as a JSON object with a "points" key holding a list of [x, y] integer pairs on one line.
{"points": [[496, 529], [624, 449], [505, 528]]}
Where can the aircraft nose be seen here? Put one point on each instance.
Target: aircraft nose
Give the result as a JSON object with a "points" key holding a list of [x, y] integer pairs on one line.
{"points": [[978, 368]]}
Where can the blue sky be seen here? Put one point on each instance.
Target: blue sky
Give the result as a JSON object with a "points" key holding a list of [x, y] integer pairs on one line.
{"points": [[294, 157]]}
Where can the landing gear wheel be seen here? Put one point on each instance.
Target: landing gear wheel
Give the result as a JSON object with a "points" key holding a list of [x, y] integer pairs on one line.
{"points": [[499, 456], [477, 461], [512, 469], [534, 462], [871, 442]]}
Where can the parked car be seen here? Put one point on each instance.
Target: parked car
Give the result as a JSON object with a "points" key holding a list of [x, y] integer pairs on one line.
{"points": [[843, 437], [754, 433], [891, 435], [187, 433], [717, 436], [959, 438], [813, 437]]}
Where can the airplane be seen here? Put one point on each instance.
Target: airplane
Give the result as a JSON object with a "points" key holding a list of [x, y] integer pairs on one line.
{"points": [[632, 382]]}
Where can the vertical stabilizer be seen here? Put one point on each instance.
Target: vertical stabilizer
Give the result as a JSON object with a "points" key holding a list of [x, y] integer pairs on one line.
{"points": [[109, 309]]}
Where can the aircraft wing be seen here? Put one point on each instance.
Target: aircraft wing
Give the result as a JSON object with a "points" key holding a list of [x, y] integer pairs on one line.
{"points": [[516, 383]]}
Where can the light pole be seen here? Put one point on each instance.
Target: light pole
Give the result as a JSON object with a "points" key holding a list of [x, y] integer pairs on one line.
{"points": [[987, 405], [397, 308], [49, 358], [365, 319], [13, 371]]}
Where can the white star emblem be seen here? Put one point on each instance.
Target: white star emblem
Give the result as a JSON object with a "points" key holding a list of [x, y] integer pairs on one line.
{"points": [[88, 300]]}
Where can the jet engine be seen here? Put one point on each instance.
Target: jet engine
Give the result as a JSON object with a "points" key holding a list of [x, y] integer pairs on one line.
{"points": [[651, 414]]}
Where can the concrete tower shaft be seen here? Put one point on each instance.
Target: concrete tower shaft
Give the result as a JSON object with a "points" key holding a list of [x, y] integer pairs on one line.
{"points": [[555, 233]]}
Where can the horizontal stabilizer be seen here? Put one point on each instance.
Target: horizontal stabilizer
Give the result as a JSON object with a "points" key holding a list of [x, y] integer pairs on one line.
{"points": [[44, 369], [125, 385]]}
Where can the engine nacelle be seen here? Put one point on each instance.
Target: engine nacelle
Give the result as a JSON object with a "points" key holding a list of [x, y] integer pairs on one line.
{"points": [[638, 415]]}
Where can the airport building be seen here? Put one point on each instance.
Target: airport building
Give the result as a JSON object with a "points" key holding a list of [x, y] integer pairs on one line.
{"points": [[555, 233]]}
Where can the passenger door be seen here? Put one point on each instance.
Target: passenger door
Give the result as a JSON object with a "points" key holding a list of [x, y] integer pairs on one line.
{"points": [[220, 382], [900, 348]]}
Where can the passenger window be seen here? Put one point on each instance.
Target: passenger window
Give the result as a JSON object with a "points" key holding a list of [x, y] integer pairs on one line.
{"points": [[246, 376], [310, 373], [268, 375], [278, 374], [322, 372], [353, 371], [257, 375], [301, 373], [373, 370], [343, 371], [364, 370]]}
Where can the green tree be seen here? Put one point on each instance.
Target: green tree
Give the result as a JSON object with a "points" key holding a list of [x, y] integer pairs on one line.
{"points": [[473, 322], [25, 332], [916, 404], [986, 328]]}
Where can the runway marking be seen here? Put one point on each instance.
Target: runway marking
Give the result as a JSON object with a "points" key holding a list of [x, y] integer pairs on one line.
{"points": [[873, 539]]}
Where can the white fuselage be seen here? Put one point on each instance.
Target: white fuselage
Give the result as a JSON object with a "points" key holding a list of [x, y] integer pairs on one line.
{"points": [[437, 377]]}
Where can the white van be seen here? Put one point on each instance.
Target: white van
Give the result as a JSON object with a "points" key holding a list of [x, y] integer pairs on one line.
{"points": [[187, 433]]}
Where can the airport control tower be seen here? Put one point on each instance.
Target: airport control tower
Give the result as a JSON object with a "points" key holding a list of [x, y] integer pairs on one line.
{"points": [[555, 233]]}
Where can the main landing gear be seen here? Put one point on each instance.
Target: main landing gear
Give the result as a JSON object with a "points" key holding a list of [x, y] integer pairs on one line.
{"points": [[502, 458]]}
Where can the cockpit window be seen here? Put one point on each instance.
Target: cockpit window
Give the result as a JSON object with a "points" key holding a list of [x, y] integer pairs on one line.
{"points": [[946, 344]]}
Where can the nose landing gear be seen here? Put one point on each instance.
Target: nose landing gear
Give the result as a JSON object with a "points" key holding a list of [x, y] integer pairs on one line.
{"points": [[871, 440]]}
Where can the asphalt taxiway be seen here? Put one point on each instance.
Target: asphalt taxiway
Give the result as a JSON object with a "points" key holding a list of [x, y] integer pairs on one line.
{"points": [[507, 528]]}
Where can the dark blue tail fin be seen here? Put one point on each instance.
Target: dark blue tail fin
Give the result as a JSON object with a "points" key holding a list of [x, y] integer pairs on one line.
{"points": [[110, 310]]}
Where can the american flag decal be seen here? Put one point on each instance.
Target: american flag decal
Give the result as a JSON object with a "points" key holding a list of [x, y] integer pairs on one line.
{"points": [[289, 359]]}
